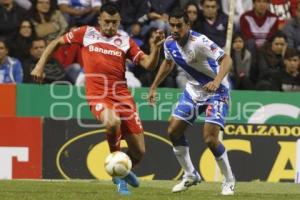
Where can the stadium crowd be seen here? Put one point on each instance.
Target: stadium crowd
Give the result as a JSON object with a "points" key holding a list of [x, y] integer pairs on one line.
{"points": [[265, 45]]}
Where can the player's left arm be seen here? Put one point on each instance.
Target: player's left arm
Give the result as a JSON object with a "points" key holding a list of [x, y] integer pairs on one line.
{"points": [[150, 61], [225, 63]]}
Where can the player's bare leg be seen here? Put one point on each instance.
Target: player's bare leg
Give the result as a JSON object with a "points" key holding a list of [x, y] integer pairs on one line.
{"points": [[136, 151], [210, 135], [136, 147], [181, 149], [112, 123]]}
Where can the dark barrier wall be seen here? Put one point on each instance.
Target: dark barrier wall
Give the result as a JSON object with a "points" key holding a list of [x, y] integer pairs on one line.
{"points": [[256, 152]]}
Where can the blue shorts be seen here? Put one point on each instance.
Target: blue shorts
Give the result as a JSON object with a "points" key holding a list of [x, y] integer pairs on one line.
{"points": [[188, 110]]}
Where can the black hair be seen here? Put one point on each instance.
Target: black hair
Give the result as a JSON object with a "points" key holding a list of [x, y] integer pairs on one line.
{"points": [[203, 1], [291, 52], [5, 42], [110, 7], [191, 3], [278, 34], [239, 35], [35, 13], [179, 13], [33, 33], [37, 39]]}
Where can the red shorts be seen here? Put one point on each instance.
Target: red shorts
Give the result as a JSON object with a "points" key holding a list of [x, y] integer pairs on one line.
{"points": [[125, 109]]}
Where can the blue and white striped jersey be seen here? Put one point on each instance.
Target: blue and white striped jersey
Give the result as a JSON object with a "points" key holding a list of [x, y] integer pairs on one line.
{"points": [[199, 59], [80, 3]]}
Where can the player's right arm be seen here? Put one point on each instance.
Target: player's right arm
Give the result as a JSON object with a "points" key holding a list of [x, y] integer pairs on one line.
{"points": [[38, 71], [164, 69]]}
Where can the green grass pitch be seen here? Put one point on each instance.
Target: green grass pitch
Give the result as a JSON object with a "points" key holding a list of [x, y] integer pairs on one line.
{"points": [[149, 190]]}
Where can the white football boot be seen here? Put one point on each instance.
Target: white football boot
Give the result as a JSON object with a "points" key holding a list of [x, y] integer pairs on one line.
{"points": [[187, 181], [228, 187]]}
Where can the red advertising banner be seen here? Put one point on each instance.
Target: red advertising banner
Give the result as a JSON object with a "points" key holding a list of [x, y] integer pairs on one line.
{"points": [[8, 104], [20, 148]]}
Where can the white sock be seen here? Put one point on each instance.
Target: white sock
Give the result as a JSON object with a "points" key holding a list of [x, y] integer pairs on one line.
{"points": [[182, 154], [224, 166]]}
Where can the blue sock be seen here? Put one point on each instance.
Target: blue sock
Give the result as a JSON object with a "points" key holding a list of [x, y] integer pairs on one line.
{"points": [[179, 142], [218, 151]]}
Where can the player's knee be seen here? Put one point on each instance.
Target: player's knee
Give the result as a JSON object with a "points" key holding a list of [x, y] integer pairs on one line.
{"points": [[113, 126], [173, 132], [211, 141]]}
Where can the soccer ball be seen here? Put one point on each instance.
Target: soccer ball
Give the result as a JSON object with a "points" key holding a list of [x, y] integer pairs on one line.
{"points": [[118, 164]]}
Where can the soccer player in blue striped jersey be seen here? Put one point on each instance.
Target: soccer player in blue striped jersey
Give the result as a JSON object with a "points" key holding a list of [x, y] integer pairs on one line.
{"points": [[207, 90]]}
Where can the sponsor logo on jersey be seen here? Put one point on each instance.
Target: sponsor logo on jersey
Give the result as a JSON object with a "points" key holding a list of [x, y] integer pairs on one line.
{"points": [[99, 107], [118, 42], [105, 51], [70, 35], [213, 47]]}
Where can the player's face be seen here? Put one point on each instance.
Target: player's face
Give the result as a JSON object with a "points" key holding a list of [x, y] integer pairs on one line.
{"points": [[109, 24], [178, 28]]}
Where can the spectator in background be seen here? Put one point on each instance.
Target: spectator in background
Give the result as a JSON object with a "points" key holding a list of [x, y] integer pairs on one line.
{"points": [[21, 42], [26, 4], [133, 11], [183, 3], [69, 57], [135, 33], [292, 30], [241, 58], [48, 22], [10, 68], [290, 79], [241, 6], [80, 12], [270, 63], [147, 77], [159, 13], [11, 16], [213, 24], [53, 70], [258, 25], [193, 13], [283, 9]]}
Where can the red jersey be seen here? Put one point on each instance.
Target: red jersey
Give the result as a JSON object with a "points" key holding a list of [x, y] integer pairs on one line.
{"points": [[104, 60]]}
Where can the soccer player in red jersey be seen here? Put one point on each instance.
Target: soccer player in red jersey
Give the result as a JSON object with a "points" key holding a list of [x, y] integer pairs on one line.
{"points": [[104, 53]]}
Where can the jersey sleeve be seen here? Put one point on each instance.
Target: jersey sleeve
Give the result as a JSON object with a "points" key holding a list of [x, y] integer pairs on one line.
{"points": [[210, 49], [67, 2], [167, 53], [75, 36], [96, 3], [134, 53], [18, 72]]}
